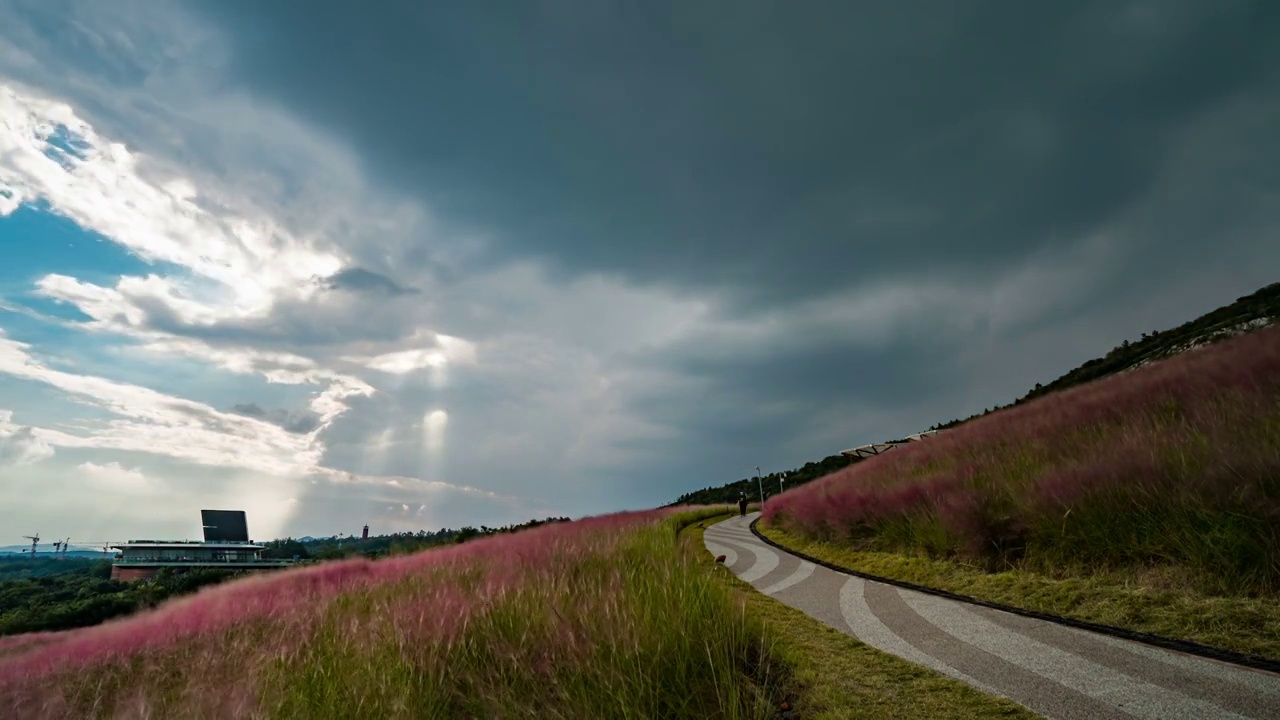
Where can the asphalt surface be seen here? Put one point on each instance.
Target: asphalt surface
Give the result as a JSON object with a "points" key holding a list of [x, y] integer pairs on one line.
{"points": [[1056, 671]]}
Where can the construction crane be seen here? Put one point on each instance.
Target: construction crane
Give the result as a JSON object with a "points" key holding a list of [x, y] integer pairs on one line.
{"points": [[104, 545], [34, 539], [65, 544]]}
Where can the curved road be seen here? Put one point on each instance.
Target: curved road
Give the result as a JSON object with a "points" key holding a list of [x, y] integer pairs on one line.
{"points": [[1056, 671]]}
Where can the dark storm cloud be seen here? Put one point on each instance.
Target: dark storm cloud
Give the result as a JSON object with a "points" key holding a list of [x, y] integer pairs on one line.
{"points": [[768, 147], [295, 422], [361, 280], [292, 322], [111, 61], [800, 401]]}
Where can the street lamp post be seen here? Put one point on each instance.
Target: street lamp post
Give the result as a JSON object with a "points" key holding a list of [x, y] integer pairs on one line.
{"points": [[780, 476], [760, 483]]}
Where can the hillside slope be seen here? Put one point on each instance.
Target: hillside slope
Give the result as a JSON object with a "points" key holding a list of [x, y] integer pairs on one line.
{"points": [[605, 617], [1249, 313], [620, 616], [1165, 479]]}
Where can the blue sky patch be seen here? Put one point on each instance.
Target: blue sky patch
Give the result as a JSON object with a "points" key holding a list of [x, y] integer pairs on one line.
{"points": [[68, 142], [35, 242]]}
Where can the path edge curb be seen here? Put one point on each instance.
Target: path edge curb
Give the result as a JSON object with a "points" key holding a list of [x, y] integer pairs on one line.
{"points": [[1232, 657]]}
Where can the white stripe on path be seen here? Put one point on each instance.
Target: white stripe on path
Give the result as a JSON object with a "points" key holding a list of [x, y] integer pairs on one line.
{"points": [[766, 559], [739, 534], [1256, 680], [868, 628], [801, 574], [1084, 676], [730, 555]]}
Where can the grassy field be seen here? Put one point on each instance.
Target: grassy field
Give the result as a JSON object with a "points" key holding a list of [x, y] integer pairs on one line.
{"points": [[606, 617], [833, 676], [1148, 500], [623, 616]]}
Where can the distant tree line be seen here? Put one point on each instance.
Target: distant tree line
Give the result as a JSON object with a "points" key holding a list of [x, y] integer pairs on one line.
{"points": [[47, 594], [728, 493], [376, 546]]}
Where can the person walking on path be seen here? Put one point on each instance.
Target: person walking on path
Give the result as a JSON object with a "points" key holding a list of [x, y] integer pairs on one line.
{"points": [[742, 504]]}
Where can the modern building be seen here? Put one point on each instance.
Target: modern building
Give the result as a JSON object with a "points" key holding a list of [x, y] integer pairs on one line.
{"points": [[226, 547]]}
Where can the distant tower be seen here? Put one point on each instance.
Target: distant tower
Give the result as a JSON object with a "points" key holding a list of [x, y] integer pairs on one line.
{"points": [[365, 535]]}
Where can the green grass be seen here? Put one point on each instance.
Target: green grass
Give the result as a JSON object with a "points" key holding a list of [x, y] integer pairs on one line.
{"points": [[1148, 600], [835, 676], [606, 617], [638, 632], [626, 618]]}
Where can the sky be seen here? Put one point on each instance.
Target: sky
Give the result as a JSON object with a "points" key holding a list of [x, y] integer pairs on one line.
{"points": [[423, 265]]}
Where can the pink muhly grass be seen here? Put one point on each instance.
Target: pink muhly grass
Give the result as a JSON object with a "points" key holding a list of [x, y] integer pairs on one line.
{"points": [[961, 515], [589, 603], [434, 616], [1190, 436], [545, 610], [14, 643], [1062, 488], [215, 609]]}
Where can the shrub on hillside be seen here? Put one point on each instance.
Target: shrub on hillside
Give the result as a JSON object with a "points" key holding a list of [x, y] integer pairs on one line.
{"points": [[1176, 464]]}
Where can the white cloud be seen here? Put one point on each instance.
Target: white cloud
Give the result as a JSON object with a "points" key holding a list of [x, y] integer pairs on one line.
{"points": [[114, 477], [404, 361], [243, 205], [446, 350], [578, 325], [153, 422], [237, 270], [20, 445], [249, 261]]}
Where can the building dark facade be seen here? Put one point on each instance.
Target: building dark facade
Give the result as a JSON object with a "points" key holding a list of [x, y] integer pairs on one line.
{"points": [[142, 559]]}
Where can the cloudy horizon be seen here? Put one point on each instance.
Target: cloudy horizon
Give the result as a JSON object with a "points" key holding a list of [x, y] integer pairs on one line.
{"points": [[429, 267]]}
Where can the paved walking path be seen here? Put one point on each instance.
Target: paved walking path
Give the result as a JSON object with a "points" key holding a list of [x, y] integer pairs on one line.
{"points": [[1056, 671]]}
